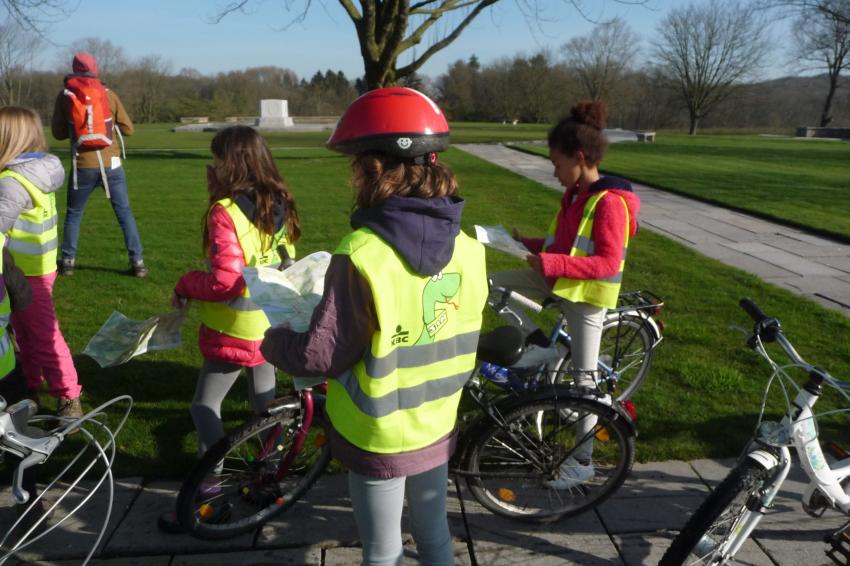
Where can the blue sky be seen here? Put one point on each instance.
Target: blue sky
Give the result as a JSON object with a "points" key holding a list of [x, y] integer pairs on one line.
{"points": [[181, 31]]}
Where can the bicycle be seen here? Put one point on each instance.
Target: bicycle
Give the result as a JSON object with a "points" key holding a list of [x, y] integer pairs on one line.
{"points": [[509, 453], [721, 525], [630, 335], [22, 438]]}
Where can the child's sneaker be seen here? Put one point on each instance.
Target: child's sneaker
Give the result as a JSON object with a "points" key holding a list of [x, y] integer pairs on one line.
{"points": [[571, 474]]}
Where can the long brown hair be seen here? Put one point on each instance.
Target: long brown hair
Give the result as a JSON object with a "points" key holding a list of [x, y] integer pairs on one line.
{"points": [[582, 131], [20, 132], [377, 176], [244, 164]]}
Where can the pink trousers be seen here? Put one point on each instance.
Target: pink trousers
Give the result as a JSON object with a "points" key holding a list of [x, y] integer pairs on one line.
{"points": [[44, 353]]}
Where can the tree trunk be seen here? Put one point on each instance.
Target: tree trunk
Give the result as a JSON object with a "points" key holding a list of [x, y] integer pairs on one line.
{"points": [[692, 130], [825, 118]]}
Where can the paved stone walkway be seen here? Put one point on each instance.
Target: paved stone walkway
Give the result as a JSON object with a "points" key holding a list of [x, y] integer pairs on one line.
{"points": [[633, 528], [809, 265]]}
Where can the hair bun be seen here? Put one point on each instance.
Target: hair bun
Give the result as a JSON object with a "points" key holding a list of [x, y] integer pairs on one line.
{"points": [[591, 113]]}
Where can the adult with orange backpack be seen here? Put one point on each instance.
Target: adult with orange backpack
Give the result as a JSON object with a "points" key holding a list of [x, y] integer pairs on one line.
{"points": [[92, 117]]}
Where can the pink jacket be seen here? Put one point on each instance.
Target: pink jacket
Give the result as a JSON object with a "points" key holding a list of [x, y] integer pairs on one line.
{"points": [[223, 281], [609, 224]]}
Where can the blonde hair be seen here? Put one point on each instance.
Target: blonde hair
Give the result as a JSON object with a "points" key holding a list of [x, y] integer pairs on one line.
{"points": [[20, 132], [377, 176]]}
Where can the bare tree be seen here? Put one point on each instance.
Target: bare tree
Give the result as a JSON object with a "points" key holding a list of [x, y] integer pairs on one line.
{"points": [[838, 9], [601, 57], [388, 28], [708, 50], [18, 47], [34, 15], [822, 41]]}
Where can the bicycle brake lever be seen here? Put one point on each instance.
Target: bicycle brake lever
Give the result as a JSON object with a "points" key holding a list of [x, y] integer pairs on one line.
{"points": [[21, 495]]}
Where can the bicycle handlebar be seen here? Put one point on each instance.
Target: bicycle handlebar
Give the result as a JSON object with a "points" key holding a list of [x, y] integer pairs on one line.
{"points": [[753, 310]]}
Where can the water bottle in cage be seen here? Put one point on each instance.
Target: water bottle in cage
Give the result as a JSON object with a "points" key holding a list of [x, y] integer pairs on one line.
{"points": [[495, 373]]}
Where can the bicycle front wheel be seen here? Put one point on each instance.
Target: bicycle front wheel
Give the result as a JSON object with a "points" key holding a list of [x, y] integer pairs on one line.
{"points": [[711, 531], [250, 476], [518, 468]]}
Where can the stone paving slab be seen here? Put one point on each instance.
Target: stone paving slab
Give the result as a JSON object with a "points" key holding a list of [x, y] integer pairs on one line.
{"points": [[74, 536], [348, 556], [138, 533], [778, 253], [135, 561], [640, 549], [305, 556]]}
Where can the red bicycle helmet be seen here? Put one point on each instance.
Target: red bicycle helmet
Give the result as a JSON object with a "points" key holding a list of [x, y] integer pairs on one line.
{"points": [[397, 121]]}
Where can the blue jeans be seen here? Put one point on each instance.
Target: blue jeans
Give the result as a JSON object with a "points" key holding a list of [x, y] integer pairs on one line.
{"points": [[88, 180]]}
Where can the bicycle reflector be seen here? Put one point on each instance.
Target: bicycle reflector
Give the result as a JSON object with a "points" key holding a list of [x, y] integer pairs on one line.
{"points": [[629, 406]]}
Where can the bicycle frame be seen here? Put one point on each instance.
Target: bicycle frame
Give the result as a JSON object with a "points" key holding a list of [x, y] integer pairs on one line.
{"points": [[638, 304], [770, 448]]}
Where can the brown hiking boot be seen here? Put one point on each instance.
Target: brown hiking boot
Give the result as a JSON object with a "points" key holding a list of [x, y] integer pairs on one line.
{"points": [[69, 407]]}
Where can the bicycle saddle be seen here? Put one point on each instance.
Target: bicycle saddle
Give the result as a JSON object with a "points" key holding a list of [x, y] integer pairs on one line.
{"points": [[503, 346]]}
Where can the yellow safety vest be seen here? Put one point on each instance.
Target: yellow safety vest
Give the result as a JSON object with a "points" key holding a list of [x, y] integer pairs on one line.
{"points": [[7, 351], [34, 238], [403, 395], [599, 292], [240, 317]]}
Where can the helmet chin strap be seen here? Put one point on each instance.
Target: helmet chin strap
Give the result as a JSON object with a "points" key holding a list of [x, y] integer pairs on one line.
{"points": [[427, 159]]}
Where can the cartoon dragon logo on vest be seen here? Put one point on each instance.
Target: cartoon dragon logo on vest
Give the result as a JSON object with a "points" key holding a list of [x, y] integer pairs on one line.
{"points": [[441, 288]]}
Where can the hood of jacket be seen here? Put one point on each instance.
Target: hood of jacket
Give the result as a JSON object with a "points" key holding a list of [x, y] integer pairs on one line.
{"points": [[422, 231], [43, 170], [617, 185], [247, 203]]}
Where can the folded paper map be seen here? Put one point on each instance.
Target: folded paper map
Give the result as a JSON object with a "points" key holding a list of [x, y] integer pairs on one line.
{"points": [[289, 296], [498, 238], [120, 338]]}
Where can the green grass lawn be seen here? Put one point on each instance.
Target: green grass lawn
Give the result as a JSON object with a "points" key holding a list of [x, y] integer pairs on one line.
{"points": [[804, 183], [701, 398]]}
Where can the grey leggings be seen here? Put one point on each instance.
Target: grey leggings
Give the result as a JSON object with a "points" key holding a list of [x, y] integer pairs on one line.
{"points": [[214, 382], [377, 507]]}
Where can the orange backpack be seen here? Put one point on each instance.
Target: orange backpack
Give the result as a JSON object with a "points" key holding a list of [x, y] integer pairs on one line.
{"points": [[88, 113], [90, 119]]}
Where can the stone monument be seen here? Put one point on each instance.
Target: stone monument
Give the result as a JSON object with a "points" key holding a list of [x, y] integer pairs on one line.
{"points": [[274, 115]]}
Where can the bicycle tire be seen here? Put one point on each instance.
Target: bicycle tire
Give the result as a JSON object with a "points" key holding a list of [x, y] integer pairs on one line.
{"points": [[626, 346], [720, 513], [237, 503], [503, 478]]}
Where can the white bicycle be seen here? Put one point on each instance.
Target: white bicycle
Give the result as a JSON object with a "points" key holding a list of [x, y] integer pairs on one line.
{"points": [[721, 525], [29, 440]]}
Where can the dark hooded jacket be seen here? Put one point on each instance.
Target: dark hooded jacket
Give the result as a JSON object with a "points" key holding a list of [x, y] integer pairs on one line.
{"points": [[422, 232]]}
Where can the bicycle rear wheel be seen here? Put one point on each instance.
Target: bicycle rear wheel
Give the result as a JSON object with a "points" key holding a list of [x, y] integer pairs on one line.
{"points": [[510, 467], [709, 533], [626, 347], [239, 485]]}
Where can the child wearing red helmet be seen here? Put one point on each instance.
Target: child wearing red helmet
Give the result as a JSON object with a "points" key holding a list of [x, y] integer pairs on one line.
{"points": [[397, 327]]}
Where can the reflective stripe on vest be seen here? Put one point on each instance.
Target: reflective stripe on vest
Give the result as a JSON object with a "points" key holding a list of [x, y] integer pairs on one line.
{"points": [[7, 352], [599, 292], [403, 395], [34, 238], [240, 317]]}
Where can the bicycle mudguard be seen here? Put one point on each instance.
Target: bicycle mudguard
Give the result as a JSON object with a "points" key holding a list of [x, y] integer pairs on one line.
{"points": [[764, 458]]}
